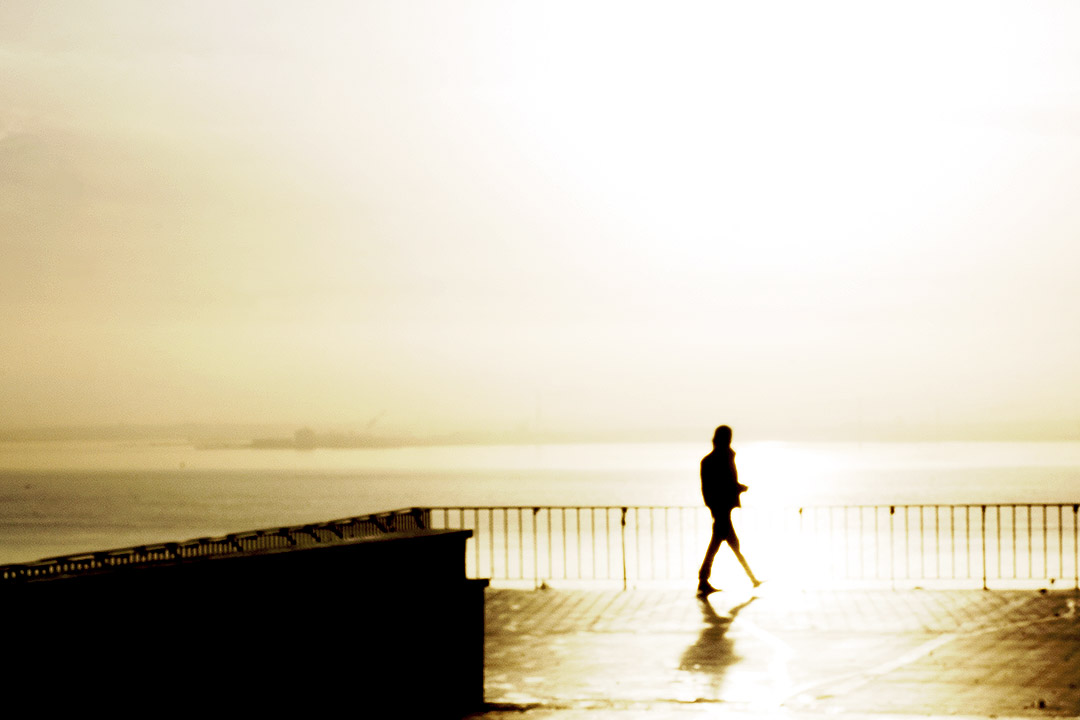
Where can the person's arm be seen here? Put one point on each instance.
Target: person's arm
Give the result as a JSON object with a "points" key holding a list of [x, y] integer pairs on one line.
{"points": [[708, 485]]}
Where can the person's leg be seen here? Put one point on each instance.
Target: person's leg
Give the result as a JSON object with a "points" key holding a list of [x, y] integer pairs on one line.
{"points": [[710, 555], [733, 543]]}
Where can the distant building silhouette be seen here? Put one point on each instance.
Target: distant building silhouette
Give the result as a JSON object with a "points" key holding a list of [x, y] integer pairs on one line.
{"points": [[305, 439]]}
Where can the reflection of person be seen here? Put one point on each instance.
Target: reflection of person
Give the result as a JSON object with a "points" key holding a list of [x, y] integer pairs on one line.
{"points": [[714, 651], [720, 488]]}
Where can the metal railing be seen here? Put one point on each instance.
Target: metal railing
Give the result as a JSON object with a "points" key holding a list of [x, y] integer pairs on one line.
{"points": [[1001, 544], [233, 544]]}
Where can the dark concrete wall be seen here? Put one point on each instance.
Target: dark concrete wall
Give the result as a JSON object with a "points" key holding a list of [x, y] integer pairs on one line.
{"points": [[387, 625]]}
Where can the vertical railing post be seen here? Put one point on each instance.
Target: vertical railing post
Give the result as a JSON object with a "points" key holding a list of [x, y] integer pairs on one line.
{"points": [[536, 547], [877, 543], [997, 509], [1031, 554], [637, 543], [1046, 546], [577, 534], [1061, 543], [607, 543], [1014, 542], [622, 541], [565, 571], [1076, 550], [592, 538], [550, 541], [861, 550], [521, 544], [967, 537], [984, 547], [907, 544], [892, 548], [937, 542], [952, 540], [802, 543]]}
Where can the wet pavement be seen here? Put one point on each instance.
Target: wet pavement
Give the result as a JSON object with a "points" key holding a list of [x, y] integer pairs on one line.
{"points": [[776, 652]]}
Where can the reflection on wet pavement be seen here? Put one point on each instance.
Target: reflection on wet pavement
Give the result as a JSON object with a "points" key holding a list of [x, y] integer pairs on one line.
{"points": [[713, 652]]}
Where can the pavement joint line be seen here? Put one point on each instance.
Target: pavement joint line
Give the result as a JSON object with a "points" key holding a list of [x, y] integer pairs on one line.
{"points": [[1013, 625], [849, 682], [1008, 607]]}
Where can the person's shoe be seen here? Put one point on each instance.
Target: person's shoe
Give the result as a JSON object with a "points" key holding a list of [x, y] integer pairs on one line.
{"points": [[704, 588]]}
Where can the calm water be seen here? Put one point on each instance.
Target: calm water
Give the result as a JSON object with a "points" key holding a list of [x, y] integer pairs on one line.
{"points": [[59, 498]]}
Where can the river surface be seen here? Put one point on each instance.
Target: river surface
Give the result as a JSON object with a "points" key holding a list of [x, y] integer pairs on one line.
{"points": [[60, 498]]}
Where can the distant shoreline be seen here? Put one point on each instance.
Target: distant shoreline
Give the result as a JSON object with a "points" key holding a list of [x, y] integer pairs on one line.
{"points": [[282, 436]]}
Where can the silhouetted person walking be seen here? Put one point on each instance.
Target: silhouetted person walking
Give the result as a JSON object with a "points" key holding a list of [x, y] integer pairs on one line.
{"points": [[721, 489]]}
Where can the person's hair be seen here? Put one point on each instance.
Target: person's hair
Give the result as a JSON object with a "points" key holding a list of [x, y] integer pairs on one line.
{"points": [[722, 436]]}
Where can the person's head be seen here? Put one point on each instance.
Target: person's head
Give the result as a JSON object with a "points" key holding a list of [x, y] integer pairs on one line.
{"points": [[722, 436]]}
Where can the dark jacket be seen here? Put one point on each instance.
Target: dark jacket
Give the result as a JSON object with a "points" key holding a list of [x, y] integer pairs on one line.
{"points": [[720, 487]]}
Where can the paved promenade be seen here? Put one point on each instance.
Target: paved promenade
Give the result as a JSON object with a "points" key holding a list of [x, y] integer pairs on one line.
{"points": [[569, 654]]}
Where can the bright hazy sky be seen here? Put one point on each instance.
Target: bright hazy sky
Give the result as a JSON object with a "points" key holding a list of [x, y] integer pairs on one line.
{"points": [[554, 215]]}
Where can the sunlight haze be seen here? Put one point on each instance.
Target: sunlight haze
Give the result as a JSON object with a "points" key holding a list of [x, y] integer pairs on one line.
{"points": [[799, 219]]}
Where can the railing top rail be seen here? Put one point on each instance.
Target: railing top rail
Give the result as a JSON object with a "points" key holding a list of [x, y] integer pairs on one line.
{"points": [[560, 507], [808, 506]]}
